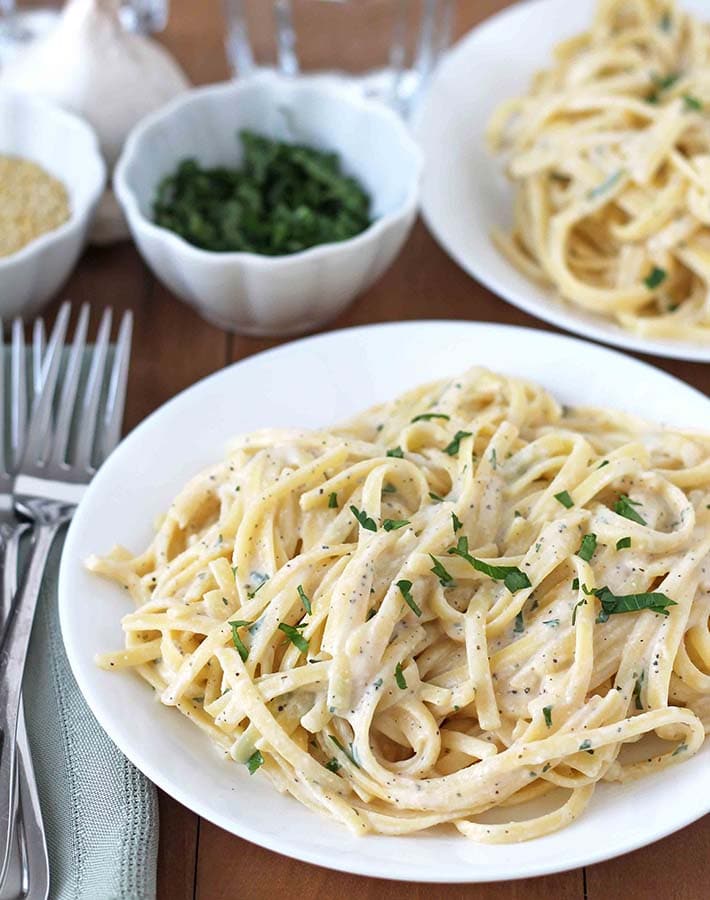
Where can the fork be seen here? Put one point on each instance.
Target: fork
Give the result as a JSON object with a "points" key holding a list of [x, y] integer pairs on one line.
{"points": [[52, 478], [31, 864]]}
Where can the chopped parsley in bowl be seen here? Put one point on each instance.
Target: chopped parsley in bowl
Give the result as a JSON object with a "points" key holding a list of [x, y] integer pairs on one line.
{"points": [[284, 198]]}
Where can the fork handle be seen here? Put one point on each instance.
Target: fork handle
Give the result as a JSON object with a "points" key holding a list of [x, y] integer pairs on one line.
{"points": [[13, 654]]}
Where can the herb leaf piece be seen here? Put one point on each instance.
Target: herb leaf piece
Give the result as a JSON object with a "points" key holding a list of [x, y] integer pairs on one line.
{"points": [[564, 498], [333, 500], [349, 754], [623, 543], [587, 547], [295, 636], [513, 577], [405, 588], [456, 522], [438, 569], [365, 521], [394, 524], [255, 761], [239, 644], [453, 447], [624, 506], [427, 417], [396, 452], [547, 713], [305, 600], [399, 677], [655, 278], [613, 604]]}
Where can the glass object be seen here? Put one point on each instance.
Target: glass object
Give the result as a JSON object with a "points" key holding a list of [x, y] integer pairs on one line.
{"points": [[20, 24], [385, 48]]}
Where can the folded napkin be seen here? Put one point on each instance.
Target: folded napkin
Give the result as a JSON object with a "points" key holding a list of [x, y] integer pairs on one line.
{"points": [[100, 813]]}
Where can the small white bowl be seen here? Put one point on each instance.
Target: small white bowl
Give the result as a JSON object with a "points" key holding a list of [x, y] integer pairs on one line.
{"points": [[266, 295], [66, 147]]}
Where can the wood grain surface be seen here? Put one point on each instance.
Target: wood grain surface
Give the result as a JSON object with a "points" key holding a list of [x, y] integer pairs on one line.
{"points": [[173, 348]]}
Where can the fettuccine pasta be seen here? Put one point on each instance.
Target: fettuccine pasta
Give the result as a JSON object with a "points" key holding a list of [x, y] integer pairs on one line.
{"points": [[460, 601], [609, 152]]}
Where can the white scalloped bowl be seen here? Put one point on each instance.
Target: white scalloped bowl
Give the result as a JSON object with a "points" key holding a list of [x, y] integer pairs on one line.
{"points": [[66, 147], [264, 295]]}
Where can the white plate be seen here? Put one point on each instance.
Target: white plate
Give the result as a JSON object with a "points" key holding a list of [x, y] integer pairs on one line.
{"points": [[314, 382], [465, 192]]}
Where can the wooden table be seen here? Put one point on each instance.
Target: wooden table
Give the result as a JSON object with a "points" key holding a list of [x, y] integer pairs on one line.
{"points": [[173, 348]]}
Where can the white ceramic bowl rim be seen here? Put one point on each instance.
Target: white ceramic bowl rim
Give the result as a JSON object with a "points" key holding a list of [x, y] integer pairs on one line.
{"points": [[132, 149], [98, 172]]}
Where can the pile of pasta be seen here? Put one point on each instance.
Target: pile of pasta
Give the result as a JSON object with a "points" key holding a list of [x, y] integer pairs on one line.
{"points": [[460, 601], [609, 152]]}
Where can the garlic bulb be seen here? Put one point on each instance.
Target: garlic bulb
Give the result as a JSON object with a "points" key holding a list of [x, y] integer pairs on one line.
{"points": [[89, 64]]}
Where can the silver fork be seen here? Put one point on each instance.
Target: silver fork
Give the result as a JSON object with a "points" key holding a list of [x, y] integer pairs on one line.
{"points": [[29, 869], [48, 488]]}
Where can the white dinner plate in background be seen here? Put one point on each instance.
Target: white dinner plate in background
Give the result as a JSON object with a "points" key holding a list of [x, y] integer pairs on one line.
{"points": [[312, 383], [465, 192]]}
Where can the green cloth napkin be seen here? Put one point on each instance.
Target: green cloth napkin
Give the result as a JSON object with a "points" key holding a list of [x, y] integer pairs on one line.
{"points": [[100, 813]]}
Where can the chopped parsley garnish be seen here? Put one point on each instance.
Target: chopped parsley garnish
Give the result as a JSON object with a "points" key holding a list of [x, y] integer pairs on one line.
{"points": [[623, 543], [547, 713], [606, 185], [365, 521], [604, 462], [426, 417], [283, 198], [377, 684], [304, 599], [262, 579], [582, 602], [553, 623], [613, 604], [405, 588], [394, 524], [399, 677], [453, 447], [564, 498], [396, 452], [444, 577], [435, 497], [389, 489], [624, 506], [692, 103], [665, 82], [637, 692], [349, 754], [295, 636], [655, 278], [494, 459], [585, 745], [587, 547], [456, 522], [239, 644], [255, 761], [332, 765], [333, 500], [575, 584], [513, 578], [519, 626]]}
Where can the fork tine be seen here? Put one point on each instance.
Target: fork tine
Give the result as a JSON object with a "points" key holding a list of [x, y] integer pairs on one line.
{"points": [[92, 394], [70, 385], [113, 414], [40, 420], [38, 343], [3, 466], [18, 393]]}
